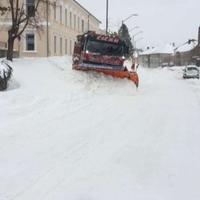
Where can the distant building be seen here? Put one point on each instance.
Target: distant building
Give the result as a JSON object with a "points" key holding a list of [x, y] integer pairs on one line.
{"points": [[66, 19], [185, 54], [155, 57]]}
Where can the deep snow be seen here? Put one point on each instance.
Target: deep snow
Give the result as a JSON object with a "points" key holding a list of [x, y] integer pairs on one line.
{"points": [[66, 134]]}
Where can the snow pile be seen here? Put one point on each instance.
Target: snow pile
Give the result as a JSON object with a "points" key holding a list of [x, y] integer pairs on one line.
{"points": [[5, 68], [68, 134], [168, 49], [5, 73]]}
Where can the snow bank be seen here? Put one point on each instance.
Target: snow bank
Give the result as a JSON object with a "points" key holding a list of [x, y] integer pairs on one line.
{"points": [[67, 134], [5, 73], [5, 68]]}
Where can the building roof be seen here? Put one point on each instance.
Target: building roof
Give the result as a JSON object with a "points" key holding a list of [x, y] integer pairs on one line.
{"points": [[148, 51], [188, 46], [86, 10]]}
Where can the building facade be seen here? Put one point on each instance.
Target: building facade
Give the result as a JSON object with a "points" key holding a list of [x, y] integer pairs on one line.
{"points": [[59, 23], [154, 57], [186, 54]]}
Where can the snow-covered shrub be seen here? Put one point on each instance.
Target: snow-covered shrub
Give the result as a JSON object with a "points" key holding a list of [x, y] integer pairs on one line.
{"points": [[5, 73]]}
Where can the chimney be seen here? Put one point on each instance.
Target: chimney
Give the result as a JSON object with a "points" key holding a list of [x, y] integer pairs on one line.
{"points": [[199, 37]]}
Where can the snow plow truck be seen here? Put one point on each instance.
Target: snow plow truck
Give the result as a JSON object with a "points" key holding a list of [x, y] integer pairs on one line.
{"points": [[104, 54]]}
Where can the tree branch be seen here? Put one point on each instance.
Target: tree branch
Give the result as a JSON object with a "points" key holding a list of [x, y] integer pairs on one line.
{"points": [[12, 9], [21, 13], [17, 10], [23, 29]]}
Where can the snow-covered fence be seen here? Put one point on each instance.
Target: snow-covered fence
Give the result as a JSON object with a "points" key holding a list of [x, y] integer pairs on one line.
{"points": [[5, 73]]}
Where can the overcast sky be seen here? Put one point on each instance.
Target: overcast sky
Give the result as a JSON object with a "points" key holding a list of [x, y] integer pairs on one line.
{"points": [[162, 21]]}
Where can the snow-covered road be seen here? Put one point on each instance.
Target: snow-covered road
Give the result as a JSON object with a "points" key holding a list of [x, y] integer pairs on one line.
{"points": [[71, 135]]}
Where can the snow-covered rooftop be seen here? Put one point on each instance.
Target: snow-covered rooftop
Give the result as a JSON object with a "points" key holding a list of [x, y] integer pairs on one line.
{"points": [[170, 48], [167, 49], [71, 135], [187, 46]]}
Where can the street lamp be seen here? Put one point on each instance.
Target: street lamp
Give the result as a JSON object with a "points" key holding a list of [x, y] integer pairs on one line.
{"points": [[137, 33], [135, 27], [141, 38], [134, 42], [133, 15]]}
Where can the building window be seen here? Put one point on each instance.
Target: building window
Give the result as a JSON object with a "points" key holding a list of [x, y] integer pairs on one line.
{"points": [[78, 23], [70, 19], [70, 47], [66, 46], [55, 45], [30, 8], [66, 17], [74, 22], [61, 14], [54, 10], [82, 25], [61, 46], [30, 42]]}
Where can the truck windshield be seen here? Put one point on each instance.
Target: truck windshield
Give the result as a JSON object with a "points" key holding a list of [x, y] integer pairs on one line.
{"points": [[104, 48]]}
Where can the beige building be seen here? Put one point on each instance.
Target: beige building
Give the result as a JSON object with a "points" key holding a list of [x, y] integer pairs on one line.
{"points": [[57, 33]]}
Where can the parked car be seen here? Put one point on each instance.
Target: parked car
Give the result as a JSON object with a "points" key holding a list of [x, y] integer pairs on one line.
{"points": [[191, 71]]}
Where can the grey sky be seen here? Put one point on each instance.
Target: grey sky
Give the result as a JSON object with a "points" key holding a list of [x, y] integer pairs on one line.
{"points": [[162, 21]]}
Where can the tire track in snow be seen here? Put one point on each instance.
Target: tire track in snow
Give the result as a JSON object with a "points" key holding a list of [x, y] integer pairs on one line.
{"points": [[74, 155], [41, 180]]}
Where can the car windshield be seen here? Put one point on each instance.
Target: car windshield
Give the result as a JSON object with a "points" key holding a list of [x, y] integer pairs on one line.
{"points": [[104, 48], [192, 69]]}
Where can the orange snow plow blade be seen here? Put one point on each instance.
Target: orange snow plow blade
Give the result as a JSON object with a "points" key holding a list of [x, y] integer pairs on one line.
{"points": [[133, 76]]}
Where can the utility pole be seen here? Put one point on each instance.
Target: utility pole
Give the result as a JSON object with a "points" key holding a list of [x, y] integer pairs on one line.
{"points": [[47, 19], [199, 37], [106, 17]]}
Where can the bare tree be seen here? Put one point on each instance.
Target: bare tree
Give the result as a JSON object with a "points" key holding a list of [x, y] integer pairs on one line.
{"points": [[22, 15]]}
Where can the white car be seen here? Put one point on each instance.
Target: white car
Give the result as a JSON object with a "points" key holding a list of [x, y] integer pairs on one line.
{"points": [[191, 71]]}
